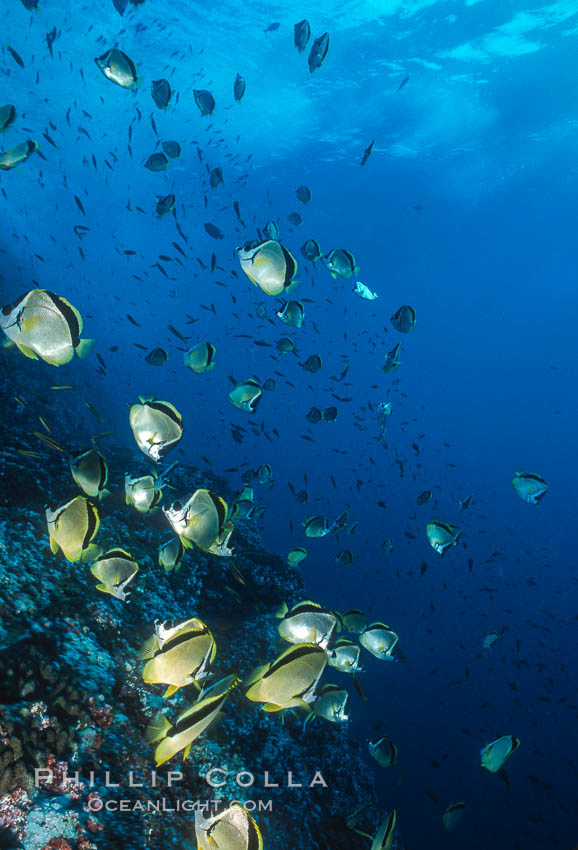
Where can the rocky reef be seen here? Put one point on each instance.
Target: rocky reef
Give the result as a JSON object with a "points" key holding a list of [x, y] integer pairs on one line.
{"points": [[74, 706]]}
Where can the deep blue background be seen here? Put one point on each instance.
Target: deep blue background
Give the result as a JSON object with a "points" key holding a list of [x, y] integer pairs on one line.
{"points": [[482, 138]]}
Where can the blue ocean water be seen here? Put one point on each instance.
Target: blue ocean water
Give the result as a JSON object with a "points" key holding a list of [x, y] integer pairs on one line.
{"points": [[464, 210]]}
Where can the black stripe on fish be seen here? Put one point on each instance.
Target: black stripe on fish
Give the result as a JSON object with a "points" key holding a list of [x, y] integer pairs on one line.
{"points": [[162, 408], [117, 553], [298, 652], [196, 716], [91, 520], [221, 510], [181, 637], [69, 317]]}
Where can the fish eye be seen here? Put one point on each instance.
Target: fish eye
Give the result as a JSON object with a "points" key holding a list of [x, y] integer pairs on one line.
{"points": [[6, 310], [177, 506]]}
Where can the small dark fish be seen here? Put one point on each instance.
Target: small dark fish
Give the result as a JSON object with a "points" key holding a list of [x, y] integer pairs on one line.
{"points": [[314, 416], [16, 56], [95, 413], [272, 27], [239, 88], [172, 149], [50, 140], [238, 212], [311, 250], [7, 116], [301, 35], [358, 688], [216, 177], [295, 219], [181, 232], [50, 39], [160, 268], [157, 162], [312, 364], [132, 321], [49, 441], [213, 231], [161, 93], [367, 153], [177, 333], [318, 52], [157, 357], [303, 194], [205, 101], [165, 205], [79, 205], [403, 83]]}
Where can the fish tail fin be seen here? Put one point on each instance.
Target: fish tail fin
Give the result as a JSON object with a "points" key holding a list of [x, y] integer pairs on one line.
{"points": [[281, 611], [358, 687], [91, 552], [148, 648], [172, 689], [217, 720], [84, 348], [157, 728], [27, 352], [307, 721], [256, 674]]}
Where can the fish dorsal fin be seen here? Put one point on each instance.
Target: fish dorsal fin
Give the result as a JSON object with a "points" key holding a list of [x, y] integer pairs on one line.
{"points": [[149, 648], [157, 728]]}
